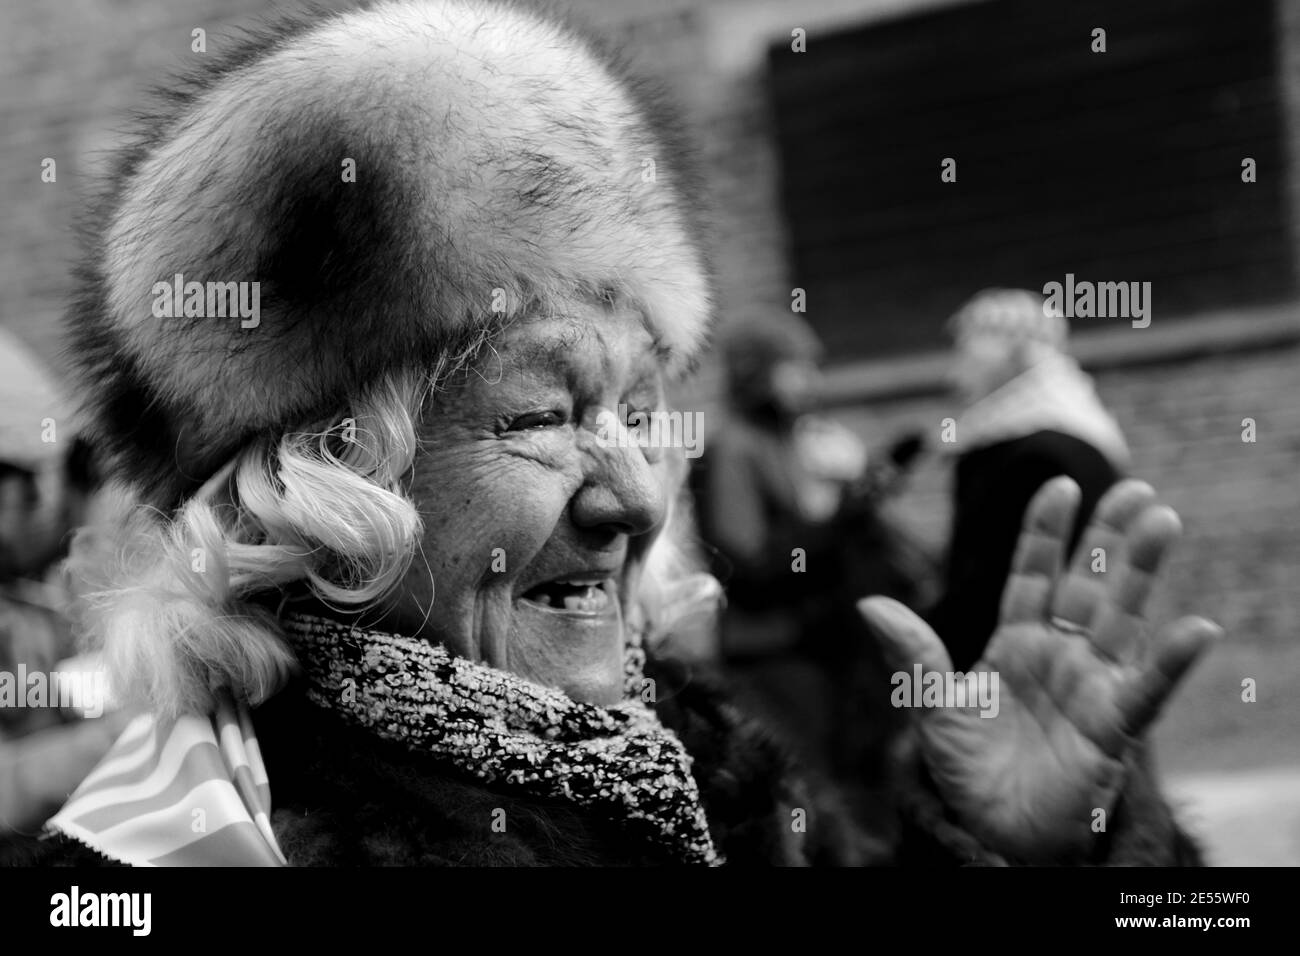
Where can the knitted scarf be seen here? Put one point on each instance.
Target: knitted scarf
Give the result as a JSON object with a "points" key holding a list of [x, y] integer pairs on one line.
{"points": [[139, 805], [504, 730]]}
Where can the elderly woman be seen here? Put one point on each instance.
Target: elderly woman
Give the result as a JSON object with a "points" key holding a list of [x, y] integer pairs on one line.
{"points": [[392, 572]]}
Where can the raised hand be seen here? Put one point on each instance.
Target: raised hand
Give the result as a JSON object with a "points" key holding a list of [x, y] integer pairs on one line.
{"points": [[1079, 676]]}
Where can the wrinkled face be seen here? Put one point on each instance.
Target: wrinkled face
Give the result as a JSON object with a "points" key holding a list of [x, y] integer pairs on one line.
{"points": [[536, 515]]}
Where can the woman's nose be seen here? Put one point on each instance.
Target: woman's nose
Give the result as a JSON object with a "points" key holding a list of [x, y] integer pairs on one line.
{"points": [[623, 492]]}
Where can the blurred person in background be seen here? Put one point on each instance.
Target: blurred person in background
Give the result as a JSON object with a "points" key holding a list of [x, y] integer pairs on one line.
{"points": [[47, 477], [1029, 413], [787, 499]]}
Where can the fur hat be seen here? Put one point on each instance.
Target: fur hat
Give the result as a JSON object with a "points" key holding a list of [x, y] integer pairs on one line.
{"points": [[397, 181]]}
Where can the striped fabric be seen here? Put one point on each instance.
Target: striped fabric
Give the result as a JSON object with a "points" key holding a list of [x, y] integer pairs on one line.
{"points": [[185, 792]]}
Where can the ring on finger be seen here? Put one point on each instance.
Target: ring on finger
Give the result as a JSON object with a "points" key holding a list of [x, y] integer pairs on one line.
{"points": [[1069, 627]]}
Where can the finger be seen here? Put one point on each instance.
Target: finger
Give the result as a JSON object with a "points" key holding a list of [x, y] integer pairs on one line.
{"points": [[905, 638], [1079, 594], [1119, 623], [1174, 650], [1039, 552]]}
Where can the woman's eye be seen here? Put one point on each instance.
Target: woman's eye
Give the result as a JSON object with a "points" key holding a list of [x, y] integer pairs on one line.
{"points": [[546, 419], [638, 418]]}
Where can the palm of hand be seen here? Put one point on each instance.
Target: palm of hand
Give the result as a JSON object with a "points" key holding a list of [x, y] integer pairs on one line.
{"points": [[1077, 682]]}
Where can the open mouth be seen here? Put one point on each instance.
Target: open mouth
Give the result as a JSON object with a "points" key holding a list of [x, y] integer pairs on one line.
{"points": [[592, 598]]}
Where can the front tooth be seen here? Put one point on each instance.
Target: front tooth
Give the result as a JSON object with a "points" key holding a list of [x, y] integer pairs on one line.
{"points": [[592, 599]]}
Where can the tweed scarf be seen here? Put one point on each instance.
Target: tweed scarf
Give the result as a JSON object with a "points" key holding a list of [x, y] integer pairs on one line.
{"points": [[617, 761]]}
